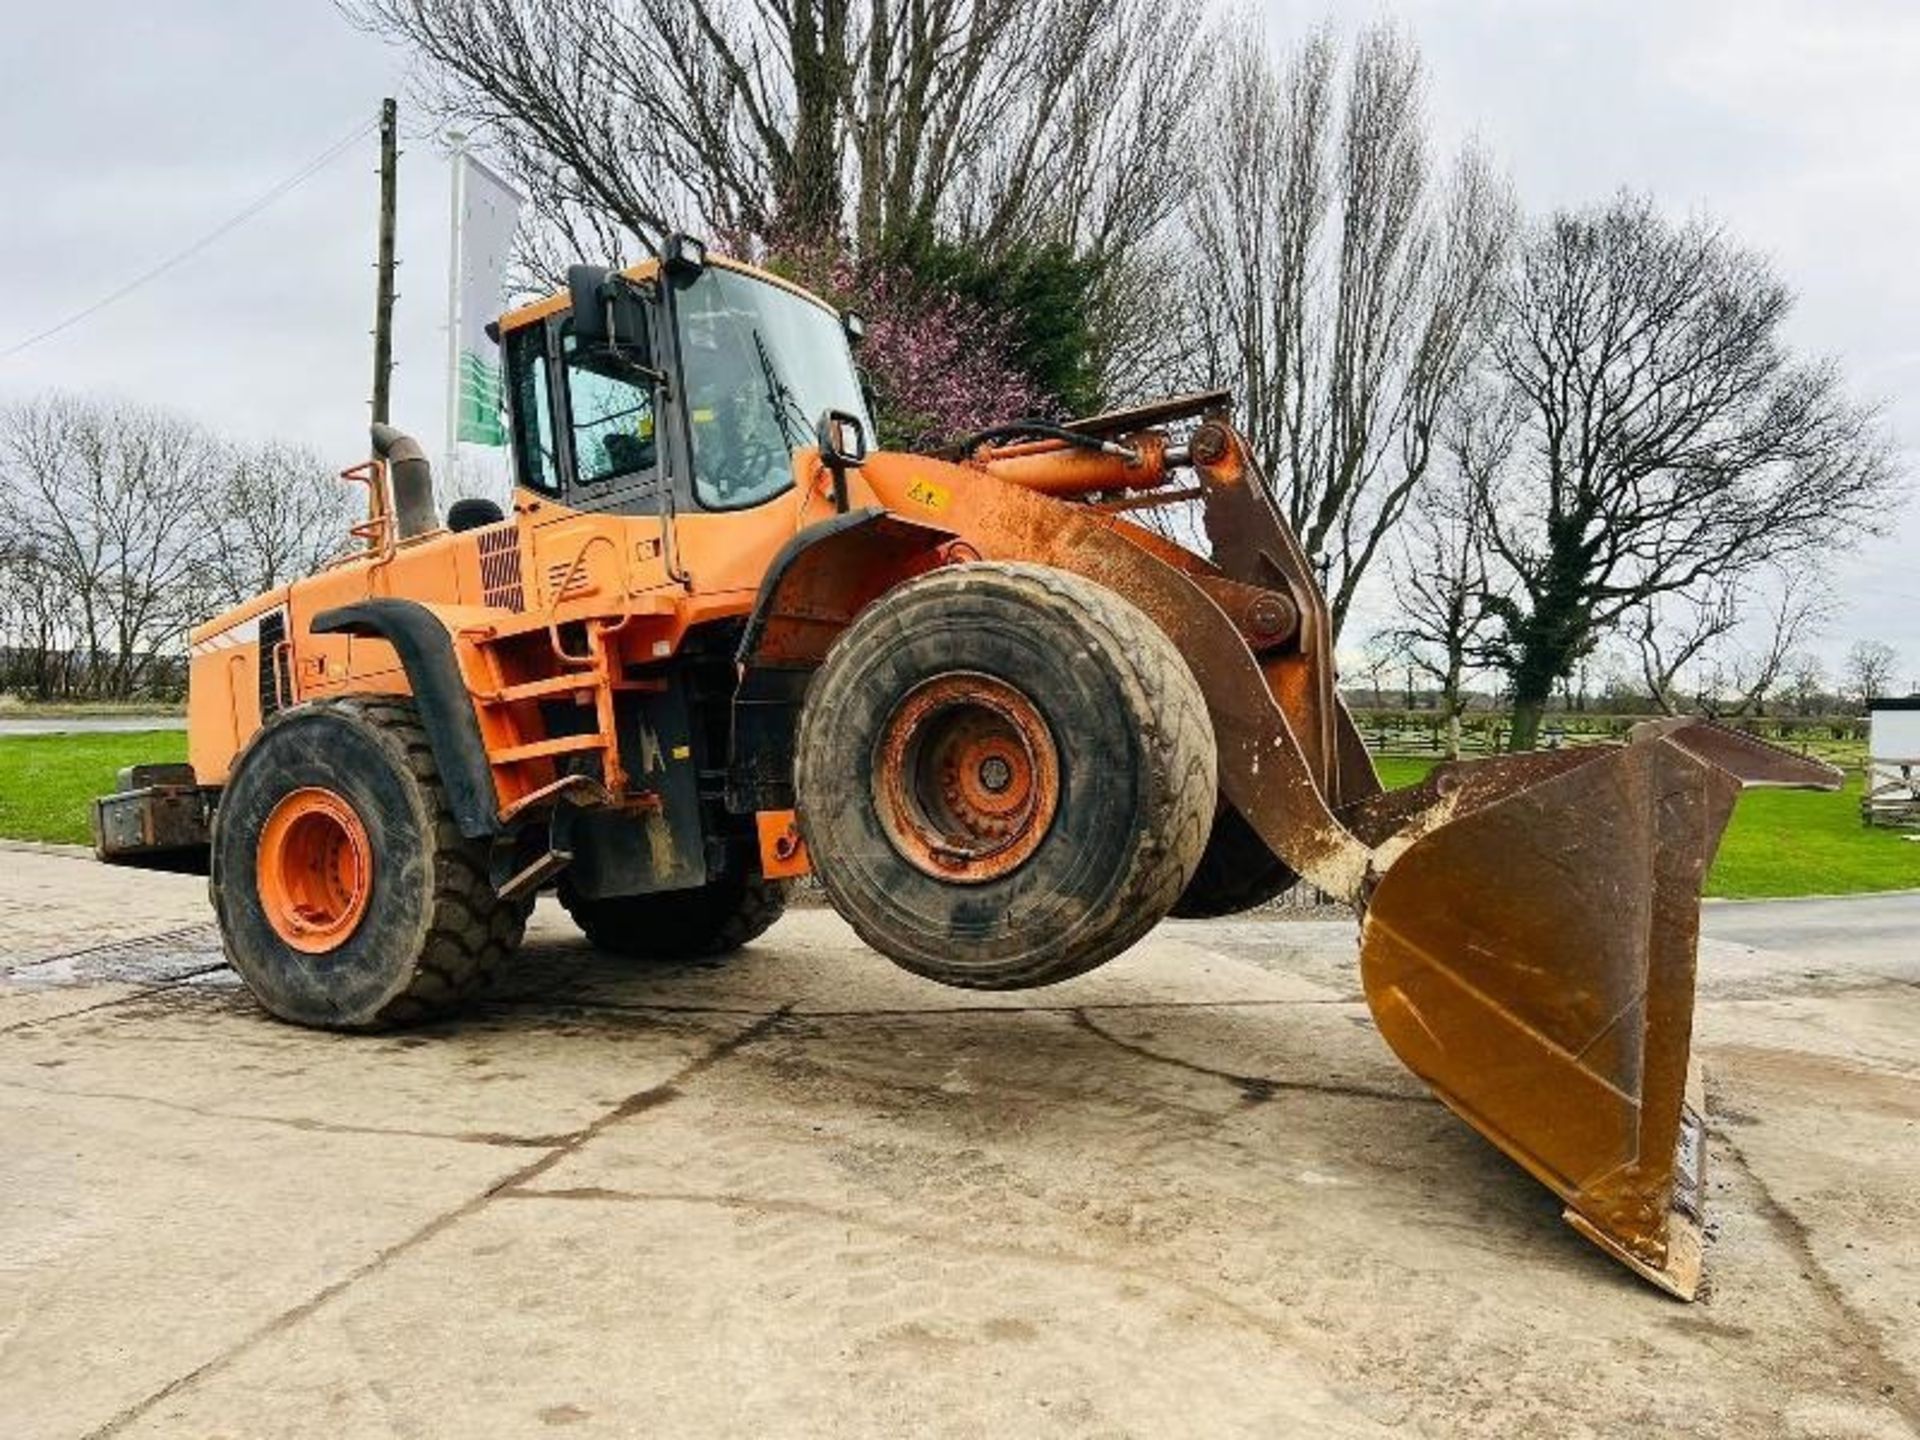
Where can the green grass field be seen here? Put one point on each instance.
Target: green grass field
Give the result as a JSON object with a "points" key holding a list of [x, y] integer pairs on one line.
{"points": [[1781, 842], [47, 780]]}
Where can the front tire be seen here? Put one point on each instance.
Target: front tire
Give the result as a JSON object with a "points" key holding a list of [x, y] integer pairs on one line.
{"points": [[347, 897], [1005, 775]]}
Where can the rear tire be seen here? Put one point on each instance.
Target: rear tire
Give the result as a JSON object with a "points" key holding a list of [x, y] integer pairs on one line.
{"points": [[1237, 872], [347, 897], [1005, 775], [715, 919]]}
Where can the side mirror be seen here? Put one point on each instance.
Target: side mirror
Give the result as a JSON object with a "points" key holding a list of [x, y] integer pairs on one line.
{"points": [[607, 314], [588, 285], [842, 439]]}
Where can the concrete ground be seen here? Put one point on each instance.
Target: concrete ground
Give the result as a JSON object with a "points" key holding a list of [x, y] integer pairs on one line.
{"points": [[806, 1194]]}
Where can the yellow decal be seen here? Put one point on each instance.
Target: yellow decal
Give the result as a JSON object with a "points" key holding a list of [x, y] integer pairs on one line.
{"points": [[925, 492], [682, 752]]}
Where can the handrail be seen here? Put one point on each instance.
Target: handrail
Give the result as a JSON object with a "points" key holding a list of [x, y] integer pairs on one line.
{"points": [[598, 537], [377, 531]]}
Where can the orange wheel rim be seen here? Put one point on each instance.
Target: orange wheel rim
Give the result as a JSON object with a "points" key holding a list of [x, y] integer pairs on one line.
{"points": [[967, 778], [315, 870]]}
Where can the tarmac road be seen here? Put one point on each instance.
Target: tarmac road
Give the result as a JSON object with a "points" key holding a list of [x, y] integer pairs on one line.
{"points": [[805, 1194], [1881, 932], [89, 724]]}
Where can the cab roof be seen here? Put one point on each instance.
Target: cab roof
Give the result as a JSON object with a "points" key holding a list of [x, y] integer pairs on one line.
{"points": [[647, 270]]}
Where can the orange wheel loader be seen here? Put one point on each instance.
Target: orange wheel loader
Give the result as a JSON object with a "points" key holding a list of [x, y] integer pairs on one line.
{"points": [[719, 643]]}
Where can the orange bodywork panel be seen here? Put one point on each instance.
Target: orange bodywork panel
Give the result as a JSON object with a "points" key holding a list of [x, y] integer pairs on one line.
{"points": [[550, 604], [560, 604], [783, 854]]}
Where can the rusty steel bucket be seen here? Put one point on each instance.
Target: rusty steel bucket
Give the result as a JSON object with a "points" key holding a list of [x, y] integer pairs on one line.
{"points": [[1529, 951]]}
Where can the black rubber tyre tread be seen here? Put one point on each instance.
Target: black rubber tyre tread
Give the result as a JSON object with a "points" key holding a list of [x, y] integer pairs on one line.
{"points": [[1237, 872], [444, 947], [1083, 896], [716, 919]]}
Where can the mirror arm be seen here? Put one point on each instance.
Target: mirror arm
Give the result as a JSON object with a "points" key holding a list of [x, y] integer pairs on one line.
{"points": [[826, 434]]}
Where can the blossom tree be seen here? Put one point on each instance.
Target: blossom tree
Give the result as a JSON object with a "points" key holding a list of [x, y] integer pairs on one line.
{"points": [[939, 365]]}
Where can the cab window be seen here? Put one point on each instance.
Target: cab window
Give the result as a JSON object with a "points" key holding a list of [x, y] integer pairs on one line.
{"points": [[611, 416], [760, 362], [532, 415]]}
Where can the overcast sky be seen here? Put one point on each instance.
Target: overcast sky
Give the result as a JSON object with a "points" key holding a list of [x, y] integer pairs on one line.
{"points": [[135, 131]]}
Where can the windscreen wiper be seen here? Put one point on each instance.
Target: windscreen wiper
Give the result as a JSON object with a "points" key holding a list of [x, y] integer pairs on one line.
{"points": [[786, 409]]}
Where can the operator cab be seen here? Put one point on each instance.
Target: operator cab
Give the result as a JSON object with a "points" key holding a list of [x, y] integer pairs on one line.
{"points": [[695, 378]]}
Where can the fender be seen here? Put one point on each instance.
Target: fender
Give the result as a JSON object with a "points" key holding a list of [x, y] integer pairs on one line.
{"points": [[820, 579], [439, 691], [828, 573]]}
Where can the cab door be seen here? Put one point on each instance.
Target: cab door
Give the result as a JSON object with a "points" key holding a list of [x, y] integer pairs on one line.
{"points": [[588, 442]]}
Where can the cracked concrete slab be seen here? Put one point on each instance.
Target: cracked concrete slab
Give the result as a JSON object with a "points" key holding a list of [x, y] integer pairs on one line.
{"points": [[518, 1076], [1369, 1235], [56, 900], [803, 1193], [740, 1343], [138, 1246], [1837, 1145], [22, 1007]]}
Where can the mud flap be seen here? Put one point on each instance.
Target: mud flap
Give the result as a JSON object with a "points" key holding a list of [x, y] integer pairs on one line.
{"points": [[1529, 952]]}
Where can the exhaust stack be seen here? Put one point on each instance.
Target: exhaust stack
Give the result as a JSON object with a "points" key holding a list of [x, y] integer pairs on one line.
{"points": [[410, 478]]}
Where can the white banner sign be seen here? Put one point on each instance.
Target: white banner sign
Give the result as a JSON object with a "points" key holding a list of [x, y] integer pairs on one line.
{"points": [[486, 214]]}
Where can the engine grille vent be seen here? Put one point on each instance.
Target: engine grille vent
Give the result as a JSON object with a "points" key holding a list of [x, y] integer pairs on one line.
{"points": [[500, 582], [274, 679]]}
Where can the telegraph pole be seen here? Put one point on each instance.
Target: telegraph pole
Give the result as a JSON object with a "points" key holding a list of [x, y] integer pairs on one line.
{"points": [[383, 290]]}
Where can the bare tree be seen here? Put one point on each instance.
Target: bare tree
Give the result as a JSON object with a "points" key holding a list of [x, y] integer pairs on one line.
{"points": [[1805, 683], [1339, 284], [1378, 657], [994, 121], [1441, 585], [1671, 438], [1797, 607], [274, 512], [126, 525], [1869, 669], [1671, 632], [35, 636], [109, 499]]}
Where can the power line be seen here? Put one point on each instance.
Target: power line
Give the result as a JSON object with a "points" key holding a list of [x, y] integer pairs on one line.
{"points": [[304, 173]]}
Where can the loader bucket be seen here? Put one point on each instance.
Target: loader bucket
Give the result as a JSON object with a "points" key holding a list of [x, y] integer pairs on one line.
{"points": [[1529, 950]]}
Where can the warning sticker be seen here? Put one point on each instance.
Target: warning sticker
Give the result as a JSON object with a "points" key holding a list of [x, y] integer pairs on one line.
{"points": [[925, 492]]}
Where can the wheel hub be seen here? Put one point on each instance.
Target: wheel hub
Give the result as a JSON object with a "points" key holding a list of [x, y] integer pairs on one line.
{"points": [[967, 778], [996, 774], [315, 870]]}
